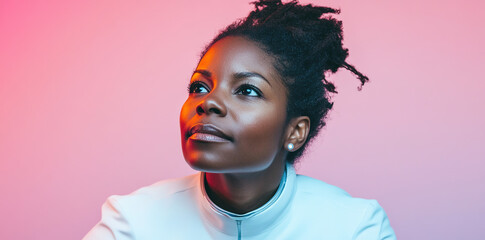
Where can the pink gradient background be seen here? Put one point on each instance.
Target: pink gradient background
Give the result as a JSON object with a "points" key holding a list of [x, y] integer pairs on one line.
{"points": [[90, 93]]}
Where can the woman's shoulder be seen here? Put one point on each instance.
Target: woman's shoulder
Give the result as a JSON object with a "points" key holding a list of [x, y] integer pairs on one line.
{"points": [[318, 188], [170, 186], [336, 209], [144, 210], [311, 189], [164, 190]]}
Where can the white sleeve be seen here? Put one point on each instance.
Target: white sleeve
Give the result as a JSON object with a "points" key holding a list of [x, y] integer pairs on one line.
{"points": [[113, 224], [374, 225]]}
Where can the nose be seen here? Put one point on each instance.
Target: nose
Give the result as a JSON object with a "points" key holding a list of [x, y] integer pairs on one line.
{"points": [[212, 104]]}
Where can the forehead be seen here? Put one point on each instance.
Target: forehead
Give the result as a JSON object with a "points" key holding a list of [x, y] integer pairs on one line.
{"points": [[237, 54]]}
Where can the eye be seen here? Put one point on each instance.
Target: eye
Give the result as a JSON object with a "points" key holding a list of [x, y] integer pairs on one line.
{"points": [[249, 90], [198, 87]]}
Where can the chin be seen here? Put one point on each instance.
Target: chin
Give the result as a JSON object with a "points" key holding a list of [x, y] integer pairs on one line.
{"points": [[211, 165], [208, 165], [202, 163], [206, 161]]}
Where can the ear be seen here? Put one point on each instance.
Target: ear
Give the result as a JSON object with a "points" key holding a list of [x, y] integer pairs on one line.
{"points": [[297, 133]]}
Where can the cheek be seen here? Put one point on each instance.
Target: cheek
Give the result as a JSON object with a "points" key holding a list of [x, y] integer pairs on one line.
{"points": [[186, 113], [262, 135]]}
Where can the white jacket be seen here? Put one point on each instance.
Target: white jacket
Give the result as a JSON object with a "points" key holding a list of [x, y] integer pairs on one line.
{"points": [[302, 208]]}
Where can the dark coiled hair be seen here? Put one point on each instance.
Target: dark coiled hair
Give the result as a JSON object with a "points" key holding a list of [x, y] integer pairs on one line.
{"points": [[306, 43]]}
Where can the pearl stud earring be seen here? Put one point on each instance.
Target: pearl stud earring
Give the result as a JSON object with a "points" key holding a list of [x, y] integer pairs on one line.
{"points": [[290, 146]]}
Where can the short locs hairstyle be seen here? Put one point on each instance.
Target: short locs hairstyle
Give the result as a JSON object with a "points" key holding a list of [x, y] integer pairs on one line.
{"points": [[306, 42]]}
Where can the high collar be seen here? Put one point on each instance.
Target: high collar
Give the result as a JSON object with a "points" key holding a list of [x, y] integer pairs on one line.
{"points": [[256, 221]]}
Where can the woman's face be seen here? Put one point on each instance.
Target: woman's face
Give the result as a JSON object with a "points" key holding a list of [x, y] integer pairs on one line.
{"points": [[234, 118]]}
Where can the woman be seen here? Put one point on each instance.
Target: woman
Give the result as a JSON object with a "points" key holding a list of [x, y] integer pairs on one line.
{"points": [[256, 99]]}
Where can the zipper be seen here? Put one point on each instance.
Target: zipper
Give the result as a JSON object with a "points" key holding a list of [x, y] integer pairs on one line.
{"points": [[238, 222]]}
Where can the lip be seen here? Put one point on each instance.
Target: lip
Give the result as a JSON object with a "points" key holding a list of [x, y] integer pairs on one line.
{"points": [[207, 133]]}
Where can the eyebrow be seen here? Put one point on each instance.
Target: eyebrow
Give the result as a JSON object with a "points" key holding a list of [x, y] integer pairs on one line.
{"points": [[241, 75], [204, 73], [238, 75]]}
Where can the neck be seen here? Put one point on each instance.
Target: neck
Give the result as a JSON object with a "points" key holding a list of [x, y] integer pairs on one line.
{"points": [[243, 192]]}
